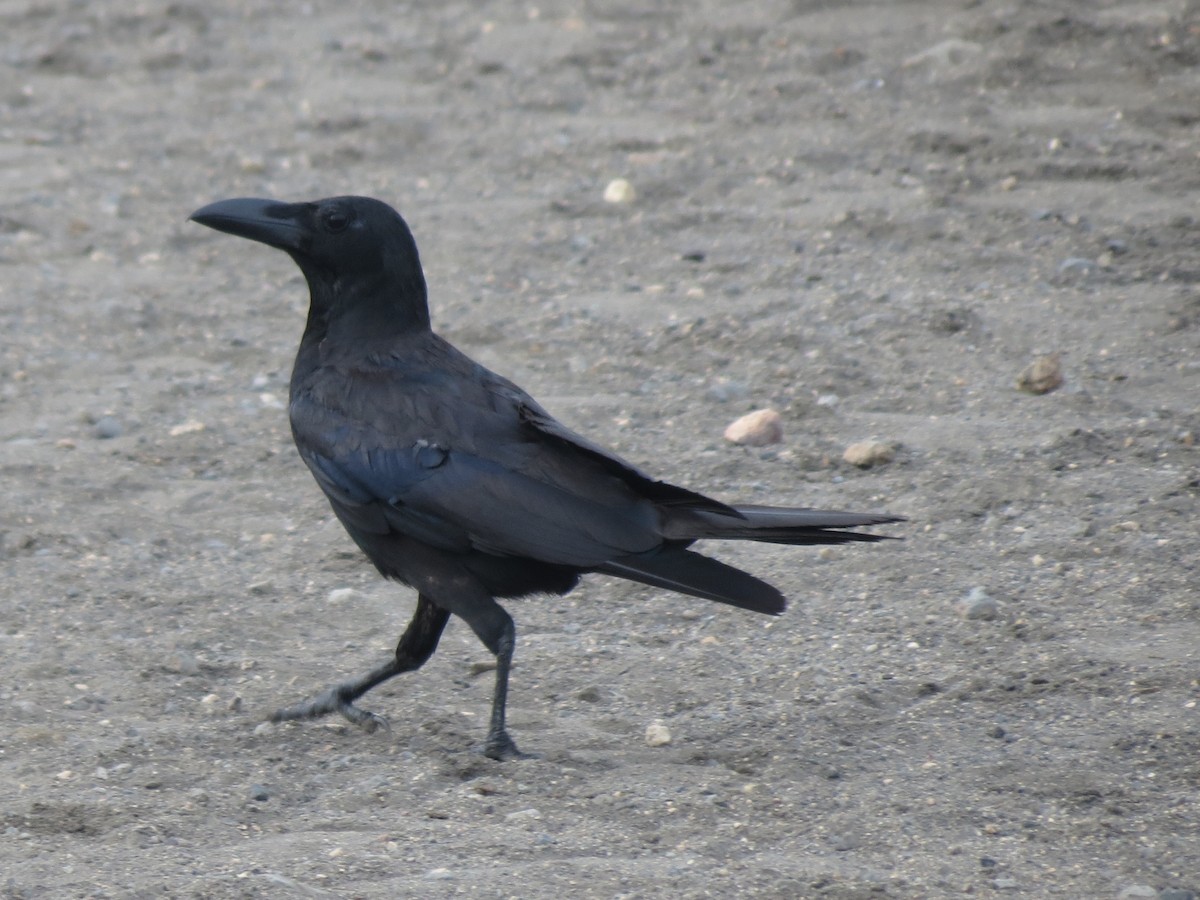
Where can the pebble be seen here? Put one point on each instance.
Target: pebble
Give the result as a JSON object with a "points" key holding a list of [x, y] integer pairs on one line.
{"points": [[344, 595], [1137, 890], [259, 793], [865, 454], [183, 663], [946, 54], [978, 605], [522, 815], [1176, 894], [1042, 375], [657, 735], [191, 427], [756, 429], [107, 427], [1077, 265], [843, 842], [619, 191], [1004, 884]]}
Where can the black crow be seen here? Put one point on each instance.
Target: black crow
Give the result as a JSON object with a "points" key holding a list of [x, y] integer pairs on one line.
{"points": [[455, 481]]}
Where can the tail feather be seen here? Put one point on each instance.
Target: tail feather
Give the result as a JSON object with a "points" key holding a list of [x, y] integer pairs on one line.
{"points": [[687, 572], [781, 525]]}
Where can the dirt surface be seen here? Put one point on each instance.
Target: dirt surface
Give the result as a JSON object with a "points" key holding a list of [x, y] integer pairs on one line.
{"points": [[871, 218]]}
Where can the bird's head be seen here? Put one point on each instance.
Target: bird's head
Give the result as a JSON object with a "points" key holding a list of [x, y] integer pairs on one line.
{"points": [[356, 253]]}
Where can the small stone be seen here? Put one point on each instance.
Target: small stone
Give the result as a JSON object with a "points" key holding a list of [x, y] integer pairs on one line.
{"points": [[865, 454], [1176, 894], [948, 54], [756, 429], [657, 735], [266, 586], [259, 793], [182, 663], [1041, 376], [182, 428], [619, 191], [1077, 265], [523, 815], [978, 606], [439, 874], [1137, 890], [843, 842], [107, 427], [344, 595], [1004, 884]]}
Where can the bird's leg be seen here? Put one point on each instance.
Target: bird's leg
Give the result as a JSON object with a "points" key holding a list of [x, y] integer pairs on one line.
{"points": [[499, 744], [495, 628], [416, 645]]}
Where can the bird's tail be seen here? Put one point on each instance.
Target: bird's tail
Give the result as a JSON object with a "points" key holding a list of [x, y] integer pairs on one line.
{"points": [[682, 570], [676, 568], [782, 525]]}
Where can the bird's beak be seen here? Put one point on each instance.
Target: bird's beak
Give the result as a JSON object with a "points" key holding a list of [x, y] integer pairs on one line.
{"points": [[270, 222]]}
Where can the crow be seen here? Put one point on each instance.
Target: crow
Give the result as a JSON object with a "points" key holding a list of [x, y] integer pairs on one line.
{"points": [[457, 483]]}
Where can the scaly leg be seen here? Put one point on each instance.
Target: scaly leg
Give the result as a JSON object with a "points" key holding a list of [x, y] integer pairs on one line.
{"points": [[416, 645]]}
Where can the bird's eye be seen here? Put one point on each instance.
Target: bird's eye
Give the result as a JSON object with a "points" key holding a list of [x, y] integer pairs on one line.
{"points": [[335, 221]]}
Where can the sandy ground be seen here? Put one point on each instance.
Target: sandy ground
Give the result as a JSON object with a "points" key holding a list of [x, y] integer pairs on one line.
{"points": [[870, 217]]}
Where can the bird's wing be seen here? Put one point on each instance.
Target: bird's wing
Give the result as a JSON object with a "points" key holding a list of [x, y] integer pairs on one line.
{"points": [[501, 483], [662, 493]]}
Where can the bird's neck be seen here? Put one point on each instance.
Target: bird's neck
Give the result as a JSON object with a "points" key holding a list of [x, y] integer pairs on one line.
{"points": [[358, 310], [349, 322]]}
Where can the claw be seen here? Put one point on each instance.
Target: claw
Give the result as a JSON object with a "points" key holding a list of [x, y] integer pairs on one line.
{"points": [[501, 747], [333, 700]]}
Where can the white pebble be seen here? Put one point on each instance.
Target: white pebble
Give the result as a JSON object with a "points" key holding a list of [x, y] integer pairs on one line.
{"points": [[619, 191], [657, 735], [756, 429], [185, 428]]}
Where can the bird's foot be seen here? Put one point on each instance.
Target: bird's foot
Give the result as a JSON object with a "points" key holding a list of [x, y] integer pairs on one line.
{"points": [[501, 747], [333, 700]]}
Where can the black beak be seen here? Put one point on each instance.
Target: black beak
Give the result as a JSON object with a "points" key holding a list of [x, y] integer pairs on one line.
{"points": [[270, 222]]}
